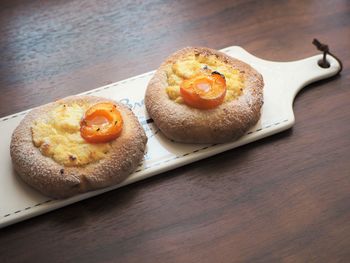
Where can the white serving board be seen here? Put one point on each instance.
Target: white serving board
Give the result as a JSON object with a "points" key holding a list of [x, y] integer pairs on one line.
{"points": [[282, 82]]}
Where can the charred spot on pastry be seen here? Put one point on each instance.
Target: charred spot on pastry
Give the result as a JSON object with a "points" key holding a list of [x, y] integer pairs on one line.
{"points": [[218, 73], [72, 157], [62, 171]]}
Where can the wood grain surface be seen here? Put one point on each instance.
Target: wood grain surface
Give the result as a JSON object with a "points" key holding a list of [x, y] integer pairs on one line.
{"points": [[283, 199]]}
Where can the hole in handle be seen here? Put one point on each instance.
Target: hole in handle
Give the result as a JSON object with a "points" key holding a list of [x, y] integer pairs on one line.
{"points": [[323, 63]]}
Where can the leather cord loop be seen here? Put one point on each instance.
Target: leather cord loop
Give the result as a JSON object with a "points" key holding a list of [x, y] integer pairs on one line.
{"points": [[323, 63]]}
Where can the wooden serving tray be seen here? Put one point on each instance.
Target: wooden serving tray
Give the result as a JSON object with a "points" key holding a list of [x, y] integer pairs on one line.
{"points": [[282, 80]]}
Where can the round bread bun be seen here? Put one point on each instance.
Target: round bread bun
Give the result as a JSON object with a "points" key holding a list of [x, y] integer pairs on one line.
{"points": [[225, 123], [59, 181]]}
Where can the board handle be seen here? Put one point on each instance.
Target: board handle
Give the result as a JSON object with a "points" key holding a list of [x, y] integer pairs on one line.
{"points": [[305, 71]]}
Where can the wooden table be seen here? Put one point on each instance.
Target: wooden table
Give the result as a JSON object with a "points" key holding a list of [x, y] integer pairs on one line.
{"points": [[282, 199]]}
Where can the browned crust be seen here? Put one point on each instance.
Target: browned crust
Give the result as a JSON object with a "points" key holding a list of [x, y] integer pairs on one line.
{"points": [[227, 122], [44, 174]]}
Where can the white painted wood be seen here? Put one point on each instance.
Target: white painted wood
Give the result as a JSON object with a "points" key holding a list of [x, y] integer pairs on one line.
{"points": [[282, 80]]}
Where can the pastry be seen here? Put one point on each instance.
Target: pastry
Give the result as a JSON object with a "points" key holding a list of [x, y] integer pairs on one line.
{"points": [[77, 144], [200, 95]]}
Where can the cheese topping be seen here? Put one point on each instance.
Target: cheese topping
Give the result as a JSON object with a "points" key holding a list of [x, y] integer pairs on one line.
{"points": [[58, 136], [193, 64]]}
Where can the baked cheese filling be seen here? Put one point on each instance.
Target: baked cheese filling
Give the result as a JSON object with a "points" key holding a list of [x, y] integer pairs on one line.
{"points": [[193, 64], [58, 136]]}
